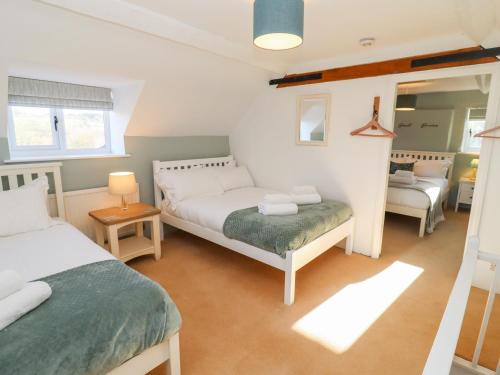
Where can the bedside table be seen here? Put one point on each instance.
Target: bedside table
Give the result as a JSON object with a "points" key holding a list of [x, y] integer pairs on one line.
{"points": [[109, 220], [465, 192]]}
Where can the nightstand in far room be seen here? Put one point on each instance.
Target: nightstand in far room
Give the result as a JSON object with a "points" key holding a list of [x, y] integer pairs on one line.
{"points": [[465, 192], [110, 220]]}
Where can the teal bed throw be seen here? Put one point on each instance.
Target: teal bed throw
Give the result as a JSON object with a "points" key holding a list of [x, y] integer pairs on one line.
{"points": [[99, 316], [280, 234]]}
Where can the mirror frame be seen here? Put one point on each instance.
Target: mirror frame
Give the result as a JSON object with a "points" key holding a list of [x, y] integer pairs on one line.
{"points": [[300, 100]]}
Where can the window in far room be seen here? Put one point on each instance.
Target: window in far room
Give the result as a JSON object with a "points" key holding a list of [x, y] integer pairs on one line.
{"points": [[53, 119], [474, 123]]}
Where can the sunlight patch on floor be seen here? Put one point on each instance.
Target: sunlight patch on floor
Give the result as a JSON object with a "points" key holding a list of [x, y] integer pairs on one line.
{"points": [[342, 319]]}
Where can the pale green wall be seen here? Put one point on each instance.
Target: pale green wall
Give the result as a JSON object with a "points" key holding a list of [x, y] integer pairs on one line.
{"points": [[459, 101], [90, 173]]}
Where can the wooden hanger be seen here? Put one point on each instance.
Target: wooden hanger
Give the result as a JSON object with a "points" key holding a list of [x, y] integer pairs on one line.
{"points": [[484, 133], [374, 124]]}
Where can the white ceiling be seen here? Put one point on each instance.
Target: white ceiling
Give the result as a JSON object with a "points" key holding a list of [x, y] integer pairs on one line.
{"points": [[332, 27], [439, 85]]}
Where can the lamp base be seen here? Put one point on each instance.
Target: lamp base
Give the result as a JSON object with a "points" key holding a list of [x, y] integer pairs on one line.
{"points": [[124, 206]]}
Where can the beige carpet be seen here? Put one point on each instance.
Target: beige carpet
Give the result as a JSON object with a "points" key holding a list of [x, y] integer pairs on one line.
{"points": [[234, 321]]}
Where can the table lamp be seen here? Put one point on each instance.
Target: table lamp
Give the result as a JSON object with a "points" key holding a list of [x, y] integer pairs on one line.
{"points": [[122, 183], [474, 163]]}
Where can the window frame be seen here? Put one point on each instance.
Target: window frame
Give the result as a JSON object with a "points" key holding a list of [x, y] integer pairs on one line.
{"points": [[466, 136], [59, 147]]}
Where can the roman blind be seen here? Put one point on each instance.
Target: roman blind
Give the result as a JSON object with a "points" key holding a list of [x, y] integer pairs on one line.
{"points": [[477, 114], [37, 93]]}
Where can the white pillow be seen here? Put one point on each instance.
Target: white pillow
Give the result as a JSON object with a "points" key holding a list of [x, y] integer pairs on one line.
{"points": [[25, 209], [180, 185], [431, 168], [234, 177]]}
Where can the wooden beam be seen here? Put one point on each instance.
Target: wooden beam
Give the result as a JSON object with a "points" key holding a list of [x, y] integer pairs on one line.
{"points": [[396, 66]]}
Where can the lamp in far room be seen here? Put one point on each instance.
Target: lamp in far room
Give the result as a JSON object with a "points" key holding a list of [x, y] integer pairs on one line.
{"points": [[474, 163], [122, 183]]}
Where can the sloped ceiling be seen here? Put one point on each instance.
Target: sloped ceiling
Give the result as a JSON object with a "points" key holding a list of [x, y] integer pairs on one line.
{"points": [[186, 91], [195, 59]]}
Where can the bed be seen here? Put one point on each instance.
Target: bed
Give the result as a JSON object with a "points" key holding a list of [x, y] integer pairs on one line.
{"points": [[102, 317], [205, 217], [415, 203]]}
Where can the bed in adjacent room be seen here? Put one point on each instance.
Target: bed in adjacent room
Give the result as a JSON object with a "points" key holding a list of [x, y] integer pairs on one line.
{"points": [[224, 210], [101, 318], [427, 196]]}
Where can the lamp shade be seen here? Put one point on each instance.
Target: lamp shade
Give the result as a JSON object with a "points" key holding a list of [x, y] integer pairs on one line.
{"points": [[474, 163], [406, 102], [121, 183], [278, 24]]}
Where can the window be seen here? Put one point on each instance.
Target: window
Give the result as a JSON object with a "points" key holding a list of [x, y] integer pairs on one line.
{"points": [[55, 119], [35, 131], [474, 123]]}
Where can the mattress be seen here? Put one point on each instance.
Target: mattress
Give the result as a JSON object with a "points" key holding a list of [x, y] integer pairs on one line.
{"points": [[211, 211], [42, 253], [414, 198]]}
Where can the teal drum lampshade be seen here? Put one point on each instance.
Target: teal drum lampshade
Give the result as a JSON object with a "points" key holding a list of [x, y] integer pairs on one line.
{"points": [[406, 102], [278, 24]]}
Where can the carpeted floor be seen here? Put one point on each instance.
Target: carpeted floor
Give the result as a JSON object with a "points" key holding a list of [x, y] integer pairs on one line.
{"points": [[352, 315]]}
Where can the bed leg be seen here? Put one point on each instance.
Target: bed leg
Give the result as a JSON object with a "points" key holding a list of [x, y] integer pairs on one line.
{"points": [[289, 279], [422, 226], [349, 243], [174, 361]]}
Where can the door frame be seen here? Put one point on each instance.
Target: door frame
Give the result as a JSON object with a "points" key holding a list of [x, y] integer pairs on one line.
{"points": [[485, 152]]}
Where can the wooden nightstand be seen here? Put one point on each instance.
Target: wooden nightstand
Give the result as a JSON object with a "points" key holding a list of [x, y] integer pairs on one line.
{"points": [[112, 219], [465, 192]]}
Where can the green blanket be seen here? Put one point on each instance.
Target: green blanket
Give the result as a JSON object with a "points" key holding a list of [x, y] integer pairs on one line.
{"points": [[279, 234], [99, 316]]}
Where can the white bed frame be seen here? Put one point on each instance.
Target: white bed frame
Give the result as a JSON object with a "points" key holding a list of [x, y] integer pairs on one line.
{"points": [[13, 176], [294, 259], [419, 212]]}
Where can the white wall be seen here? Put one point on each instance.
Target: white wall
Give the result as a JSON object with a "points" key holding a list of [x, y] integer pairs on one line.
{"points": [[351, 169], [186, 91]]}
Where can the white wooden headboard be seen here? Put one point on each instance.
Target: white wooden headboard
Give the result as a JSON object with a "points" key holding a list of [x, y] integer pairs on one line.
{"points": [[13, 176], [427, 155], [159, 166]]}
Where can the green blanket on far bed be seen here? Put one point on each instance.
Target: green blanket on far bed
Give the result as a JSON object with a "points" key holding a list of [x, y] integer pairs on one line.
{"points": [[99, 316], [280, 234]]}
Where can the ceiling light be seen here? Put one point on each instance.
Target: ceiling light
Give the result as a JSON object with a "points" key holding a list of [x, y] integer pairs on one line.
{"points": [[278, 24], [406, 102]]}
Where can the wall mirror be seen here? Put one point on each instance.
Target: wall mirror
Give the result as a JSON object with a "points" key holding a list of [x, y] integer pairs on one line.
{"points": [[313, 114]]}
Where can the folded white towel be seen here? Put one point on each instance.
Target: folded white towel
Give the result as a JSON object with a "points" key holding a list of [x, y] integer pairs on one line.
{"points": [[10, 282], [402, 173], [23, 301], [409, 180], [278, 208], [306, 198], [305, 189], [277, 198]]}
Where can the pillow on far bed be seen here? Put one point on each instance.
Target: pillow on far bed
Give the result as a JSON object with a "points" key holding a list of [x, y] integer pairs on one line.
{"points": [[180, 185], [400, 167], [232, 178], [431, 168], [25, 209]]}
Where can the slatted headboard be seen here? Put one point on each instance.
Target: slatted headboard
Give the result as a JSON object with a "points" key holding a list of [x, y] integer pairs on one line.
{"points": [[159, 166], [13, 176], [427, 155]]}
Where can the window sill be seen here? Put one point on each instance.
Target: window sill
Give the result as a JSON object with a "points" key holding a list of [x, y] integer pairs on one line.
{"points": [[64, 157]]}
